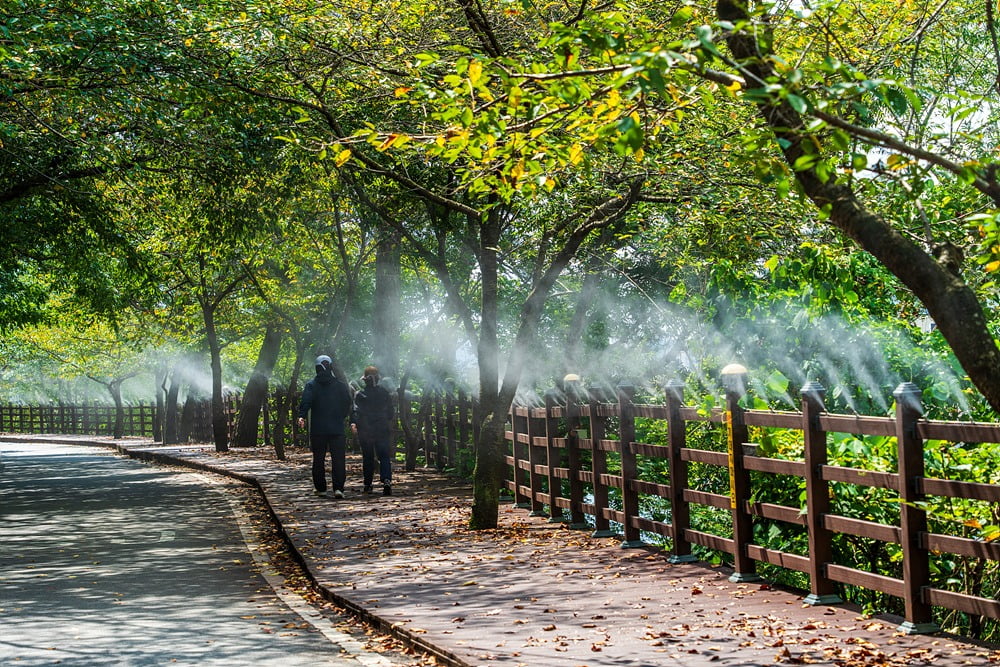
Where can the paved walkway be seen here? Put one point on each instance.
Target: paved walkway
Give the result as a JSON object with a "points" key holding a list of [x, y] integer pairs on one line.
{"points": [[540, 595]]}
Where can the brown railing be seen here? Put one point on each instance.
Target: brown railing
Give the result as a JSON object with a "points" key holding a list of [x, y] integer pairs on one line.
{"points": [[84, 419], [143, 420], [559, 456]]}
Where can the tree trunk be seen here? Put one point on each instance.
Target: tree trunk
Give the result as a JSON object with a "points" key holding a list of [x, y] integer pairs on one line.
{"points": [[220, 428], [289, 407], [170, 412], [115, 388], [187, 418], [255, 393], [387, 324], [949, 300], [496, 400], [161, 379], [489, 472]]}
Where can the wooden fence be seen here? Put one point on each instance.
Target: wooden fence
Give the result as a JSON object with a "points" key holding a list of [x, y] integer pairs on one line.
{"points": [[141, 420], [85, 419], [437, 429], [559, 463]]}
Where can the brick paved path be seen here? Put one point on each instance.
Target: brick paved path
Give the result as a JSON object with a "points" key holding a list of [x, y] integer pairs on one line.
{"points": [[537, 594]]}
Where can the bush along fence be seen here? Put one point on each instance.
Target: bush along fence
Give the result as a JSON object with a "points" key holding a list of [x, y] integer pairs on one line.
{"points": [[841, 505]]}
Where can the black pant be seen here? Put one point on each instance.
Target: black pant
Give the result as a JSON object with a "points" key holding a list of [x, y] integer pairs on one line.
{"points": [[336, 445], [376, 445]]}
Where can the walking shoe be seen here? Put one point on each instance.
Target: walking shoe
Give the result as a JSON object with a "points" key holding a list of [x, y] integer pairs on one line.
{"points": [[369, 488], [321, 494], [338, 494], [387, 490]]}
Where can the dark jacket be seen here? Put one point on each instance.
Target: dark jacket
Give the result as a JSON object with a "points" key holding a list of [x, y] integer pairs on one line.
{"points": [[374, 411], [326, 403]]}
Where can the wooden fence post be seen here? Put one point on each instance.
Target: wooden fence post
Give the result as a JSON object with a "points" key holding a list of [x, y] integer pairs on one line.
{"points": [[734, 377], [437, 426], [574, 395], [405, 417], [452, 432], [535, 462], [598, 432], [463, 420], [821, 589], [427, 423], [553, 456], [912, 519], [439, 432], [157, 422], [522, 476], [680, 511], [630, 470]]}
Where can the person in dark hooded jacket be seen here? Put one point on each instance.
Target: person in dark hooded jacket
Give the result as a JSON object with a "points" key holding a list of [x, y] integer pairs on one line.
{"points": [[372, 420], [326, 404]]}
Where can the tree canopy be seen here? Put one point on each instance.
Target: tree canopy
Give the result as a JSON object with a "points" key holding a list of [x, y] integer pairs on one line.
{"points": [[503, 192]]}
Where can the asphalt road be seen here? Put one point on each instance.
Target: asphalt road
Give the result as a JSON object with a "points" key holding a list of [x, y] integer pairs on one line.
{"points": [[108, 561]]}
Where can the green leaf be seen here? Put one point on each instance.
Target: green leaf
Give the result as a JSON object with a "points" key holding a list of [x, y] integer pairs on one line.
{"points": [[797, 103]]}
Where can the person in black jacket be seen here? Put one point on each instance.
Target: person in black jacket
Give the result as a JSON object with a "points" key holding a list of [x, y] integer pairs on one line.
{"points": [[326, 402], [372, 420]]}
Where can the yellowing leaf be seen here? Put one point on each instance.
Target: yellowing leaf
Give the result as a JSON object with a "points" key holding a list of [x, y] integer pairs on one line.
{"points": [[517, 171], [392, 140], [475, 72], [896, 161], [342, 157]]}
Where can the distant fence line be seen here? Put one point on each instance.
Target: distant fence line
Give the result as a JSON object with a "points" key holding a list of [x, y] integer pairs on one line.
{"points": [[576, 459], [431, 429], [141, 419]]}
